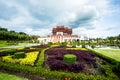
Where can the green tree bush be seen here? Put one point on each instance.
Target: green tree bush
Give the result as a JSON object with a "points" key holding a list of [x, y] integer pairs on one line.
{"points": [[10, 52], [83, 46], [92, 46], [69, 58], [18, 55]]}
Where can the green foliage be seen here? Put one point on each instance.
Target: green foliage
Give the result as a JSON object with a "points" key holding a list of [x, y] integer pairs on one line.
{"points": [[116, 67], [3, 43], [83, 46], [55, 75], [36, 41], [41, 58], [112, 56], [69, 58], [47, 74], [18, 55], [73, 46], [27, 48], [108, 72], [63, 44], [92, 46], [50, 43], [10, 52], [6, 76], [30, 59], [12, 35]]}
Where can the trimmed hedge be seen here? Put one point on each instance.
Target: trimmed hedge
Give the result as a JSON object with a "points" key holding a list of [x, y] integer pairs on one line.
{"points": [[83, 46], [74, 46], [108, 72], [19, 55], [69, 58], [3, 54], [10, 52], [92, 46]]}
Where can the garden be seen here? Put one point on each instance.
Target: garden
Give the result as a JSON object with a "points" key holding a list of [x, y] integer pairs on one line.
{"points": [[56, 62]]}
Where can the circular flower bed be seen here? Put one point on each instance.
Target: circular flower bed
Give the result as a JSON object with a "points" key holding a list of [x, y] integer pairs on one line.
{"points": [[54, 59]]}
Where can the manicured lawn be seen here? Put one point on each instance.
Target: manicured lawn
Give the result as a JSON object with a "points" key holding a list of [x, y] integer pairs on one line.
{"points": [[2, 44], [114, 54], [5, 44], [6, 76]]}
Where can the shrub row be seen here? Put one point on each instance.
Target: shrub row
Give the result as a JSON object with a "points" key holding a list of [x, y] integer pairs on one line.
{"points": [[7, 52], [18, 55], [108, 72], [41, 58], [10, 52]]}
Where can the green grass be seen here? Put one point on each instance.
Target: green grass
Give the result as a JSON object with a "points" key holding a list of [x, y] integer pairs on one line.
{"points": [[41, 58], [114, 54], [2, 44], [6, 76]]}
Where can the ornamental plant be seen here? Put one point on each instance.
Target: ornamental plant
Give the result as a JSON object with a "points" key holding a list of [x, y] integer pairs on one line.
{"points": [[69, 58], [83, 46], [10, 52], [28, 60], [57, 61], [92, 46], [19, 55]]}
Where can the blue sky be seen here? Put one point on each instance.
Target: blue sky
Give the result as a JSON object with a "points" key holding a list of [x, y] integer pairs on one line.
{"points": [[93, 18]]}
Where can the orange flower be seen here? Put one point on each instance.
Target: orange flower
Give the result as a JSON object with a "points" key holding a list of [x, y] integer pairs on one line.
{"points": [[67, 78]]}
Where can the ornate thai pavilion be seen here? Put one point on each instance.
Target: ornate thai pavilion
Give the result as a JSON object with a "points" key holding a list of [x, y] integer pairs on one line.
{"points": [[60, 34]]}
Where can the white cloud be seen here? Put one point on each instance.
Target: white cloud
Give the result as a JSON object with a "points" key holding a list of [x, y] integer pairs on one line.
{"points": [[40, 16], [37, 32]]}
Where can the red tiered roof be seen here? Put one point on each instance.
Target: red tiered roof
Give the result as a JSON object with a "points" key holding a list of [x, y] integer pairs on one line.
{"points": [[62, 29]]}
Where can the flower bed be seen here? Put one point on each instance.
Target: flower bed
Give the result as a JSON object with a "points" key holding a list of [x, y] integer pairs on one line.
{"points": [[28, 60], [46, 74], [85, 63]]}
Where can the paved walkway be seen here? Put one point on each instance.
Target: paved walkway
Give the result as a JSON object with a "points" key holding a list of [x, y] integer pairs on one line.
{"points": [[20, 45]]}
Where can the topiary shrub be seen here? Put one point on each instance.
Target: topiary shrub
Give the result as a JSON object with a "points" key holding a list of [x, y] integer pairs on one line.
{"points": [[92, 46], [63, 44], [10, 52], [27, 48], [18, 55], [74, 46], [69, 58], [83, 46]]}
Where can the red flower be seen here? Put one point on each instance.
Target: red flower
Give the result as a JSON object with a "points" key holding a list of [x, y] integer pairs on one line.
{"points": [[67, 78]]}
